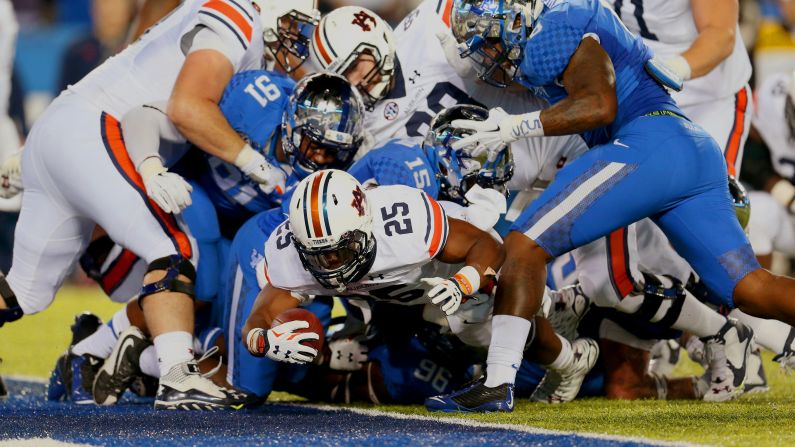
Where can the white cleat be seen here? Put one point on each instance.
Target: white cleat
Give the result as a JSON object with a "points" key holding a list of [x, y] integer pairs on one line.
{"points": [[561, 386], [569, 305], [727, 355], [185, 388], [755, 377]]}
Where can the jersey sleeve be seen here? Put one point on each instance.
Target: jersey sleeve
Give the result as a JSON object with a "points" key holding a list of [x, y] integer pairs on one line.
{"points": [[436, 228], [549, 48], [232, 23]]}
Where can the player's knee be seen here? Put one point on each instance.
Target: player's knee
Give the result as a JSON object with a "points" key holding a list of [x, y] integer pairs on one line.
{"points": [[521, 250], [172, 273]]}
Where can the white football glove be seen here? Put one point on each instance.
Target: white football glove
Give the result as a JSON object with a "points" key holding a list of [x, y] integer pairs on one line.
{"points": [[485, 207], [445, 293], [499, 130], [347, 354], [170, 191], [11, 176], [452, 52], [281, 343], [258, 169]]}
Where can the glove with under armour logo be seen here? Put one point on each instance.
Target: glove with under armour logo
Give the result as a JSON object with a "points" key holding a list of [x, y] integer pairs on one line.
{"points": [[448, 293], [270, 178], [499, 130], [282, 343], [347, 354]]}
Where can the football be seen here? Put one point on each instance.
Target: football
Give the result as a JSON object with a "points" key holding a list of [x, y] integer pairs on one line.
{"points": [[303, 314]]}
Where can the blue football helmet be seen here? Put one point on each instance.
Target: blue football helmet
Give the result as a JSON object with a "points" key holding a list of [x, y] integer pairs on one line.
{"points": [[456, 171], [495, 33], [324, 113]]}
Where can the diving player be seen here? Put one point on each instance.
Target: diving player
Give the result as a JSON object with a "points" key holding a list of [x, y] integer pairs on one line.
{"points": [[596, 80]]}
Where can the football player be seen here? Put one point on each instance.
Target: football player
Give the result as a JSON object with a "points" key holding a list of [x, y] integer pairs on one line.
{"points": [[77, 179], [320, 127], [596, 79], [703, 45]]}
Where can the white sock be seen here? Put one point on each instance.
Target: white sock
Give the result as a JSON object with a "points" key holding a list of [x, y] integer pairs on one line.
{"points": [[770, 334], [99, 344], [698, 318], [173, 348], [120, 322], [148, 362], [508, 338], [565, 356]]}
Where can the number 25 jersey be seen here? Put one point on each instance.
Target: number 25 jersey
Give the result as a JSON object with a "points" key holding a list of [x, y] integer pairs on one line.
{"points": [[410, 229]]}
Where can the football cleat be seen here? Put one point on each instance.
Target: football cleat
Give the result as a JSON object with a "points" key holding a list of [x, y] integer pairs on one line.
{"points": [[663, 357], [695, 350], [185, 388], [85, 324], [121, 368], [755, 377], [83, 369], [3, 389], [144, 386], [787, 357], [727, 356], [561, 386], [569, 305], [474, 397], [60, 379]]}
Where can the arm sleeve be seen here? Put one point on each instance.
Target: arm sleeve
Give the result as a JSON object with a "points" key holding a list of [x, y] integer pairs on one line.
{"points": [[143, 128]]}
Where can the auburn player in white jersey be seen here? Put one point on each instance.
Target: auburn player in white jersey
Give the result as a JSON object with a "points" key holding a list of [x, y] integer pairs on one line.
{"points": [[77, 173], [701, 41], [9, 136]]}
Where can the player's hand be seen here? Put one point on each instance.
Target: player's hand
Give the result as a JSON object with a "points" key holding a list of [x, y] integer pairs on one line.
{"points": [[452, 52], [169, 190], [347, 354], [446, 293], [256, 167], [487, 138], [282, 343], [485, 207], [11, 176]]}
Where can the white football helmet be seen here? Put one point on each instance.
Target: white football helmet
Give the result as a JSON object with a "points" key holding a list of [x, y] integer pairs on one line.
{"points": [[333, 228], [348, 32], [286, 28]]}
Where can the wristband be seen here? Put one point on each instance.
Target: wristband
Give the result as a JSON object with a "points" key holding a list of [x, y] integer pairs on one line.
{"points": [[468, 280], [518, 127], [256, 342], [150, 167], [784, 193], [244, 157]]}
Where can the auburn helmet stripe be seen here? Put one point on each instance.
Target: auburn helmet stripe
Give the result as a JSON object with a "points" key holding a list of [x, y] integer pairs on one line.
{"points": [[314, 206], [325, 204], [320, 48]]}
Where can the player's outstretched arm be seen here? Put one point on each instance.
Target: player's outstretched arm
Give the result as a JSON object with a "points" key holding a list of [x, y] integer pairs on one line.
{"points": [[483, 257], [716, 22], [281, 343]]}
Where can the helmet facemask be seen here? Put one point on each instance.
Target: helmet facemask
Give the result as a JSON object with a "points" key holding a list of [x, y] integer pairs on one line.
{"points": [[378, 81], [789, 113], [289, 43], [338, 265]]}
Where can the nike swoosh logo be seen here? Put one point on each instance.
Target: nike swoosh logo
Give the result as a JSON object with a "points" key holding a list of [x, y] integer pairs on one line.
{"points": [[510, 397], [128, 341], [277, 334], [618, 143]]}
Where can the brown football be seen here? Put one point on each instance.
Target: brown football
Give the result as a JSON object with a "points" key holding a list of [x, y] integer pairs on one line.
{"points": [[303, 314]]}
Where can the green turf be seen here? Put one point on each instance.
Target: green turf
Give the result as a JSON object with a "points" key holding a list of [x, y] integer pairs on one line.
{"points": [[29, 347]]}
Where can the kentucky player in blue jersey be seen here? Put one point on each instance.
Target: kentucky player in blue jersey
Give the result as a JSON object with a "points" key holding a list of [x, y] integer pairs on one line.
{"points": [[646, 160]]}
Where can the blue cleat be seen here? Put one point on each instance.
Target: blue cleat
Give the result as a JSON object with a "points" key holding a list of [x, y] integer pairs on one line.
{"points": [[475, 397], [83, 369], [59, 380]]}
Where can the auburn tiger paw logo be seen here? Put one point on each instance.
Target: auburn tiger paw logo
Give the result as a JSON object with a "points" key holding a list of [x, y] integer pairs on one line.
{"points": [[361, 18], [358, 201]]}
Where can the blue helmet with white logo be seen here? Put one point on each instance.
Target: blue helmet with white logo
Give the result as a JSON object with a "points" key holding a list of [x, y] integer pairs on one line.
{"points": [[456, 171], [495, 33], [323, 120]]}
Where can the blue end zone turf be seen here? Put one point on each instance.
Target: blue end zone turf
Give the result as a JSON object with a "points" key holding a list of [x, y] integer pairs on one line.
{"points": [[26, 414]]}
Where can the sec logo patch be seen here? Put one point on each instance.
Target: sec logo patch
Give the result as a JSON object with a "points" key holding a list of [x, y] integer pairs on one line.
{"points": [[391, 111]]}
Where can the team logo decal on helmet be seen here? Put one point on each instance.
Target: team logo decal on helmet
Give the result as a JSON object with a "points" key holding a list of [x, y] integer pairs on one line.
{"points": [[332, 228], [361, 18]]}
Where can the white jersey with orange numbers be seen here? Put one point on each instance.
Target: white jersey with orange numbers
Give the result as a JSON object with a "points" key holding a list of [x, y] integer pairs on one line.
{"points": [[771, 123], [147, 70], [410, 230], [668, 28]]}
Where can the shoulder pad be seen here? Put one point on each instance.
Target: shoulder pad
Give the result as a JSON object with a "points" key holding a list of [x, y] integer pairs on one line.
{"points": [[229, 19]]}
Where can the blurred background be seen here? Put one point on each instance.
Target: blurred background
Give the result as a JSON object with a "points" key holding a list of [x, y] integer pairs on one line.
{"points": [[59, 41]]}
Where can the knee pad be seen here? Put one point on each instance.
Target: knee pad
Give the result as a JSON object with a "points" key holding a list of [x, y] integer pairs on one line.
{"points": [[13, 312], [655, 292], [174, 266]]}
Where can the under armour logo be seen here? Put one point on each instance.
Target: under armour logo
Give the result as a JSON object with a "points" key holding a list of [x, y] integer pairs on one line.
{"points": [[416, 75], [358, 201], [361, 18]]}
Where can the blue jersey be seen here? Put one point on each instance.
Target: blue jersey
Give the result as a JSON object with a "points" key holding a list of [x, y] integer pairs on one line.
{"points": [[398, 162], [253, 103], [556, 36]]}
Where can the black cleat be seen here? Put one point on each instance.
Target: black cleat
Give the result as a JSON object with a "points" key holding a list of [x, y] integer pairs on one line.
{"points": [[474, 397], [3, 389], [85, 325], [121, 368]]}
